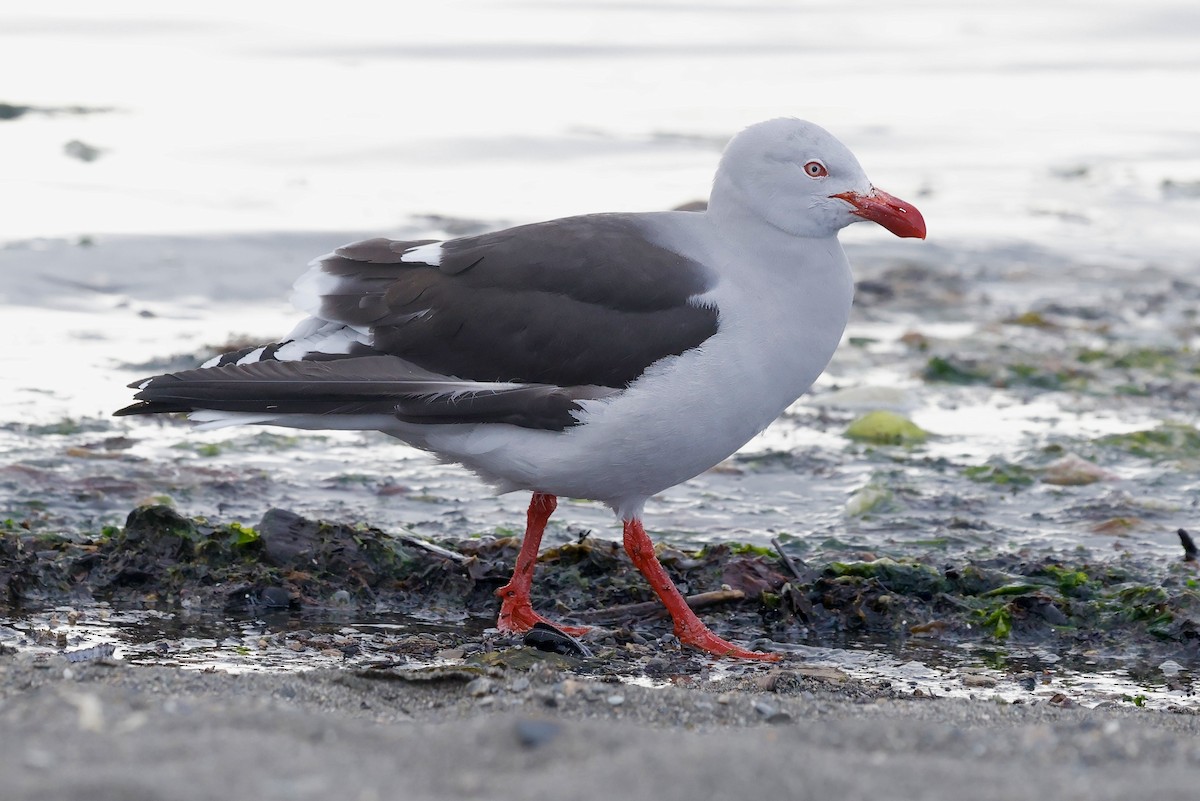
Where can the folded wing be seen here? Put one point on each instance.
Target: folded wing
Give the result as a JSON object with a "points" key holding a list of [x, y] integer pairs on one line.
{"points": [[512, 327]]}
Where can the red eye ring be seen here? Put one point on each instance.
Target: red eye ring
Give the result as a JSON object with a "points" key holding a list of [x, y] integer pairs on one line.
{"points": [[815, 169]]}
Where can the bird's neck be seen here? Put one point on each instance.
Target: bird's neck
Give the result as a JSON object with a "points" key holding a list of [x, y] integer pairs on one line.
{"points": [[742, 230]]}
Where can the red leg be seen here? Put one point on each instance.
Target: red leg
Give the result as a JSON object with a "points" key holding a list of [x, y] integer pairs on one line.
{"points": [[516, 611], [690, 630]]}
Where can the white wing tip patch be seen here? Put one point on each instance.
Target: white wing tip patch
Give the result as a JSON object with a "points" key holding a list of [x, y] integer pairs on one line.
{"points": [[430, 254], [252, 356], [210, 419]]}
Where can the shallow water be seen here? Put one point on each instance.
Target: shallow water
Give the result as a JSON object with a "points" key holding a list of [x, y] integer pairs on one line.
{"points": [[287, 643], [1047, 147]]}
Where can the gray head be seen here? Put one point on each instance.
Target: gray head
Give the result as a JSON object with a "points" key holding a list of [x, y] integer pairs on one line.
{"points": [[798, 178]]}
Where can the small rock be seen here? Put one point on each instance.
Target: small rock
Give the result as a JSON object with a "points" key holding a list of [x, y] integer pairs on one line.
{"points": [[519, 685], [39, 759], [977, 680], [830, 674], [536, 733], [1171, 668], [1074, 471], [82, 150], [771, 713], [615, 700], [275, 597], [479, 687], [765, 708]]}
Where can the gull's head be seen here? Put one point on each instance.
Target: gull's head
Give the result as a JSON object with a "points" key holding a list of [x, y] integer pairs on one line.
{"points": [[798, 178]]}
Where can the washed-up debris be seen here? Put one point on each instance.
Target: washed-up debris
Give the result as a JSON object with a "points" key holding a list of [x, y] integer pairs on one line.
{"points": [[655, 609], [787, 561], [288, 562], [545, 637]]}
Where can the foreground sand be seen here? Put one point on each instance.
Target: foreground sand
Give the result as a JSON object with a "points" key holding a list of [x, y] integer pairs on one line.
{"points": [[112, 730]]}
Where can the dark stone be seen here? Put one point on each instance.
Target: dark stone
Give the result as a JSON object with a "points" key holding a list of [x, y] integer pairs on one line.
{"points": [[275, 597], [536, 733], [288, 539]]}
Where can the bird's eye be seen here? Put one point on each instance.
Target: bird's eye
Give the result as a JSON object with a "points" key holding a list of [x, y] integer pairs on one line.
{"points": [[815, 169]]}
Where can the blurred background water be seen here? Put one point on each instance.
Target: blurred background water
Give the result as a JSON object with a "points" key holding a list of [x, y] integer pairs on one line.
{"points": [[1070, 125]]}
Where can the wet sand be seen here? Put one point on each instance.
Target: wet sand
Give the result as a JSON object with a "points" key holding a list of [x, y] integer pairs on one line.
{"points": [[100, 731]]}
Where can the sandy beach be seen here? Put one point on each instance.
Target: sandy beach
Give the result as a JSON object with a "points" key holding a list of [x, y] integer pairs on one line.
{"points": [[105, 731]]}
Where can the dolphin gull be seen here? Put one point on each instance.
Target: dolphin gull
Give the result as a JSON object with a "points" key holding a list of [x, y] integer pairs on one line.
{"points": [[605, 356]]}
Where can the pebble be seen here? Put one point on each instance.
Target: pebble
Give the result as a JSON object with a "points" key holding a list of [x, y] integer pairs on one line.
{"points": [[275, 597], [536, 733], [1075, 471], [976, 680], [479, 687], [764, 708], [615, 700]]}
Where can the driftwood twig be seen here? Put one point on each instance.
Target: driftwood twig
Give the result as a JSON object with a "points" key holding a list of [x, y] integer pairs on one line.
{"points": [[787, 560], [409, 539], [656, 609]]}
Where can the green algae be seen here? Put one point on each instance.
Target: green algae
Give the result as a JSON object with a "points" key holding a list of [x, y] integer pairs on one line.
{"points": [[951, 370], [1001, 473], [886, 428], [1024, 371], [1168, 440], [908, 578]]}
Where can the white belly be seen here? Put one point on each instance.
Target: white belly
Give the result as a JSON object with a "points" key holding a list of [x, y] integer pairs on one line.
{"points": [[688, 412]]}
